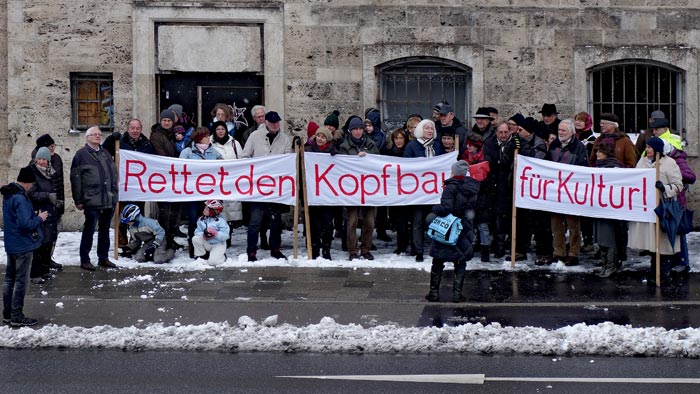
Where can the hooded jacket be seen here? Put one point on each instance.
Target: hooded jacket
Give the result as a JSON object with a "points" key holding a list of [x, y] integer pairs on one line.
{"points": [[459, 199], [20, 223]]}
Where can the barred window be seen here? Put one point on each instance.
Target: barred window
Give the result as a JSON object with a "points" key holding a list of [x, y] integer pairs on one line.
{"points": [[414, 85], [92, 102], [633, 89]]}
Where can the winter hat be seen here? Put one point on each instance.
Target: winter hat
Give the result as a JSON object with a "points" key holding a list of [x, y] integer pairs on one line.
{"points": [[179, 129], [461, 167], [657, 144], [657, 115], [332, 119], [446, 109], [167, 114], [607, 147], [325, 132], [26, 175], [355, 123], [483, 112], [609, 117], [45, 140], [311, 129], [199, 134], [272, 117], [447, 130], [177, 108], [659, 123], [529, 124], [549, 109], [517, 118], [217, 124], [43, 153], [476, 140]]}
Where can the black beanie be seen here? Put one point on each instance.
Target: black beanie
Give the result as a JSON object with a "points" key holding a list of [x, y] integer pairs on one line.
{"points": [[45, 140], [26, 175]]}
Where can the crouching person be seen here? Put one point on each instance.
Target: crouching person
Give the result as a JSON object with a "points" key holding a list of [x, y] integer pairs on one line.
{"points": [[146, 237], [459, 199], [210, 236]]}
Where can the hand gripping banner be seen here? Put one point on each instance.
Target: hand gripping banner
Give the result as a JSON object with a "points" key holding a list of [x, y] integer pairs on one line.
{"points": [[609, 193], [375, 180], [144, 177]]}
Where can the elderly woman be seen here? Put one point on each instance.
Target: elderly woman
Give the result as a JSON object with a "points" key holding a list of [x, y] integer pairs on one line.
{"points": [[423, 146], [44, 196], [670, 183], [200, 149], [566, 149]]}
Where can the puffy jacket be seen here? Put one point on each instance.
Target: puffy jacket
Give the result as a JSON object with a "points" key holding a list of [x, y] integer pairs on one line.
{"points": [[21, 224], [459, 199], [93, 178], [192, 153], [222, 228]]}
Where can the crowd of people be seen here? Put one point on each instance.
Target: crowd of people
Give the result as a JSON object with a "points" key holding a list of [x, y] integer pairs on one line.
{"points": [[34, 204]]}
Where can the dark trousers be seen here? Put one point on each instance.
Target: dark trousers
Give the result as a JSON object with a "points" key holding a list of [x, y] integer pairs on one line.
{"points": [[258, 210], [418, 228], [399, 219], [100, 218], [534, 222], [14, 287], [169, 217], [41, 261], [321, 219]]}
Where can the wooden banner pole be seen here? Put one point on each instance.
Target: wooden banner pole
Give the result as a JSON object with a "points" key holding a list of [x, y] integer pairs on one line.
{"points": [[658, 227], [305, 196], [514, 216], [117, 206], [296, 205]]}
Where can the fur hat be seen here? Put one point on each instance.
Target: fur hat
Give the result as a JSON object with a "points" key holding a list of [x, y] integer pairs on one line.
{"points": [[332, 119], [607, 147], [311, 129], [610, 117], [167, 114], [461, 167], [43, 153], [324, 132], [26, 175], [45, 140], [657, 144]]}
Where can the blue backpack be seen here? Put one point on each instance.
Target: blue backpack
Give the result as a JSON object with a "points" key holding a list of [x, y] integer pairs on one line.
{"points": [[445, 230]]}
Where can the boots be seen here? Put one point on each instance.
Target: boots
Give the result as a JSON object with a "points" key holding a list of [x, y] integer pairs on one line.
{"points": [[326, 251], [315, 252], [460, 270], [435, 278], [609, 261], [485, 254]]}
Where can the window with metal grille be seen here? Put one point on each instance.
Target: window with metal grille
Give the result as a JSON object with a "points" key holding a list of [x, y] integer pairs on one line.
{"points": [[92, 102], [414, 85], [633, 89]]}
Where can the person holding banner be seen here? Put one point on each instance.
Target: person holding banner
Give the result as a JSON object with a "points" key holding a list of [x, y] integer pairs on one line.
{"points": [[266, 141], [566, 149], [459, 199], [230, 149], [398, 214], [501, 185], [423, 146], [321, 216], [359, 144], [669, 183]]}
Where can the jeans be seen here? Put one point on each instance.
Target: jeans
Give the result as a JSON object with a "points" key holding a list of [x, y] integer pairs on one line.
{"points": [[257, 215], [483, 234], [101, 218], [15, 284]]}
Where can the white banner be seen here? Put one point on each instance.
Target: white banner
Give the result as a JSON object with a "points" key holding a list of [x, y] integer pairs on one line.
{"points": [[375, 180], [613, 193], [144, 177]]}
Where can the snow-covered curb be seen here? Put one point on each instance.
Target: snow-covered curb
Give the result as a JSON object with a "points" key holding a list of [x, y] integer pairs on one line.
{"points": [[605, 339]]}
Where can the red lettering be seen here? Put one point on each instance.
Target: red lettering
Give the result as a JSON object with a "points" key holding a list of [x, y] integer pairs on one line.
{"points": [[249, 179], [201, 181], [154, 182], [222, 174], [341, 182], [173, 174], [136, 174], [400, 178], [364, 191], [601, 186], [432, 182], [562, 185], [261, 184], [292, 184], [322, 178]]}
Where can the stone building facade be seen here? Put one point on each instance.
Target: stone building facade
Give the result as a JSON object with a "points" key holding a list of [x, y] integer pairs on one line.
{"points": [[305, 58]]}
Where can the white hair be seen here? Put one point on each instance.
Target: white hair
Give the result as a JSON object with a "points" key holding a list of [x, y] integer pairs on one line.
{"points": [[418, 132], [91, 129]]}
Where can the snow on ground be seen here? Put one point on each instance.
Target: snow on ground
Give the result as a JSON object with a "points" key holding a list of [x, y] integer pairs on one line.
{"points": [[328, 336]]}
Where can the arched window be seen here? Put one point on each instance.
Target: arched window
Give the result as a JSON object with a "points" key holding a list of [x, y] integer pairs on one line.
{"points": [[633, 89], [414, 85]]}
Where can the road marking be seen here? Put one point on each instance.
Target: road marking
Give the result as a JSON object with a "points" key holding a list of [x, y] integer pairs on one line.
{"points": [[480, 379]]}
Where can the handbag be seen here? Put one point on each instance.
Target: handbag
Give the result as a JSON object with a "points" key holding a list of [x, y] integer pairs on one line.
{"points": [[445, 229], [686, 224]]}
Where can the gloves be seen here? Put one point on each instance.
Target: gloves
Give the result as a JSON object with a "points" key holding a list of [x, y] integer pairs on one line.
{"points": [[210, 233], [126, 252], [52, 198], [116, 135], [517, 142], [660, 185], [150, 251]]}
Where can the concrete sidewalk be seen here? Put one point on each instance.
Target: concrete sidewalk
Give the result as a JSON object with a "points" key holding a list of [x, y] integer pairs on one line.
{"points": [[301, 296]]}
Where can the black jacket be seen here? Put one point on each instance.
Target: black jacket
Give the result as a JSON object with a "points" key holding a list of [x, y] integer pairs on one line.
{"points": [[93, 178], [39, 194], [459, 199]]}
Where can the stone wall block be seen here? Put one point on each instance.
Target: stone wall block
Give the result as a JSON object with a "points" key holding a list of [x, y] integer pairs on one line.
{"points": [[455, 16], [309, 90], [595, 18], [672, 3], [514, 37], [376, 35], [345, 56], [486, 37], [379, 16], [306, 57], [301, 14], [569, 38], [637, 20], [554, 58], [491, 18], [541, 37], [562, 19], [430, 16], [318, 109], [343, 15], [294, 73], [500, 58], [639, 37], [679, 20]]}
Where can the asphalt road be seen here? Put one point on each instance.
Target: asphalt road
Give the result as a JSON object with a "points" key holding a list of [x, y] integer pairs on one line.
{"points": [[77, 372]]}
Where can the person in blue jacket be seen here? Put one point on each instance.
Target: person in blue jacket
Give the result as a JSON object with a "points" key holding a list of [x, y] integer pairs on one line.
{"points": [[22, 235], [211, 234], [147, 237]]}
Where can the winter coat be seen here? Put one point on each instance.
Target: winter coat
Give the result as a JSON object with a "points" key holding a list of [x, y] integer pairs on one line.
{"points": [[459, 199], [544, 130], [93, 178], [185, 141], [460, 131], [574, 153], [57, 164], [624, 149], [499, 182], [144, 224], [486, 134], [193, 153], [378, 137], [142, 144], [533, 146], [415, 148], [686, 173], [258, 144], [587, 138], [218, 223], [673, 139], [39, 194], [314, 148], [163, 141], [21, 225], [347, 147], [606, 229], [230, 149], [643, 235]]}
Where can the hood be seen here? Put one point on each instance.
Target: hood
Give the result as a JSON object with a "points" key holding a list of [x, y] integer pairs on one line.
{"points": [[465, 184], [11, 189]]}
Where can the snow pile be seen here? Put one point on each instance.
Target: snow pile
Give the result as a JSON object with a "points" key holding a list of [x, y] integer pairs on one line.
{"points": [[328, 336]]}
